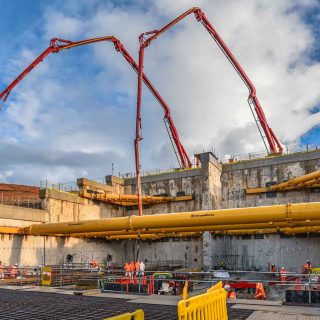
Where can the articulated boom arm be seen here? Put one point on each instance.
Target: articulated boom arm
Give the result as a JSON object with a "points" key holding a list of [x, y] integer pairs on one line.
{"points": [[272, 144], [145, 40], [57, 45]]}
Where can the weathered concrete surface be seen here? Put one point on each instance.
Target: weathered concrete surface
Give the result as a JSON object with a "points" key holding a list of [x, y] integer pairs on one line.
{"points": [[30, 250], [187, 251], [24, 214], [236, 178], [63, 206], [250, 253]]}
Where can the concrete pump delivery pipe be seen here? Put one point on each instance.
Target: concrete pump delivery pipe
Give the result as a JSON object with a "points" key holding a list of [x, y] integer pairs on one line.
{"points": [[269, 214]]}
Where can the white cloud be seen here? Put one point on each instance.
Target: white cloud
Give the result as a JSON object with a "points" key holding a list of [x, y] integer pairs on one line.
{"points": [[86, 101]]}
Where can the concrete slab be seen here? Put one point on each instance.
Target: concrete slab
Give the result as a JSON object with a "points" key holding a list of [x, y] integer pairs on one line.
{"points": [[255, 302], [262, 315], [280, 309], [158, 299], [119, 295]]}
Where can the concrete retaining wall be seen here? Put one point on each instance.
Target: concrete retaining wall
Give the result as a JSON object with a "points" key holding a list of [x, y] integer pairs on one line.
{"points": [[250, 253]]}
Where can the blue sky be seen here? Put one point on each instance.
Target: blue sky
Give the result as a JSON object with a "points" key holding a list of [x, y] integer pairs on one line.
{"points": [[74, 115]]}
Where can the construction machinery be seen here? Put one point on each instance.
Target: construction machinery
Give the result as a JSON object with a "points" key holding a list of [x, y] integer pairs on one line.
{"points": [[270, 140], [57, 45]]}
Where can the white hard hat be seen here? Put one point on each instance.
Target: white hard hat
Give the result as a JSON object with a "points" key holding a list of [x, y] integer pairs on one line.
{"points": [[282, 268], [227, 287]]}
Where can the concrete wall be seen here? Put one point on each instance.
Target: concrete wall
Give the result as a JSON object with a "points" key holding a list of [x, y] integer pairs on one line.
{"points": [[250, 253], [29, 250], [62, 206], [237, 177], [185, 252]]}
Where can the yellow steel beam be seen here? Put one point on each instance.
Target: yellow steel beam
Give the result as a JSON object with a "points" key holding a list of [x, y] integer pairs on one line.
{"points": [[10, 230], [219, 228], [289, 230], [269, 215], [247, 231], [129, 199], [154, 236], [305, 181]]}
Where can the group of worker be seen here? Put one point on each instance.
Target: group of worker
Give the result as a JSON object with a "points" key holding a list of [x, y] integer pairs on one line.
{"points": [[134, 268], [259, 293], [306, 269], [10, 272]]}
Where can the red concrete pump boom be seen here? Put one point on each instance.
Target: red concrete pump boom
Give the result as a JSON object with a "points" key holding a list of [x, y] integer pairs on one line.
{"points": [[57, 45], [271, 142]]}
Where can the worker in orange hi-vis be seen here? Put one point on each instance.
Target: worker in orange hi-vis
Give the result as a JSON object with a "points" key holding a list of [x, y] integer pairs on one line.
{"points": [[137, 267], [283, 274], [1, 271], [232, 294], [260, 293], [126, 269], [131, 272], [307, 267]]}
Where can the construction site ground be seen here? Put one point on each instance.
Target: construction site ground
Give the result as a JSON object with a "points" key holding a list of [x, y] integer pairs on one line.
{"points": [[33, 302]]}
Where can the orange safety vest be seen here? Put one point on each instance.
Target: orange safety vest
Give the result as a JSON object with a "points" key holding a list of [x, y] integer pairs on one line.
{"points": [[94, 264], [307, 266], [283, 273], [126, 267], [273, 269], [137, 266], [131, 266], [232, 295], [260, 293]]}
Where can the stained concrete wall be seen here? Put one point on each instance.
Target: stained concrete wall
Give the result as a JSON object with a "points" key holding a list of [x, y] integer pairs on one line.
{"points": [[186, 253], [205, 186], [29, 250], [237, 177], [250, 253], [62, 206]]}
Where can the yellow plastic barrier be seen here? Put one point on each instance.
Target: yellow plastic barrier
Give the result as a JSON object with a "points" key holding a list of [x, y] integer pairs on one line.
{"points": [[137, 315], [211, 305], [185, 291]]}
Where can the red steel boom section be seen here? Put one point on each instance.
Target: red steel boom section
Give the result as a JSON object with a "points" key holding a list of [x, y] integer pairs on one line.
{"points": [[57, 45], [271, 142]]}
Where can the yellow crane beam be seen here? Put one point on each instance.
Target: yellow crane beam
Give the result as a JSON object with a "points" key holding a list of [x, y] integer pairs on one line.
{"points": [[129, 199], [305, 181], [287, 213], [151, 236], [214, 229]]}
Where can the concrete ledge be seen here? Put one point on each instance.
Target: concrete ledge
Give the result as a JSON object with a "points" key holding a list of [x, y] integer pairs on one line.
{"points": [[166, 176], [60, 195], [83, 182], [289, 158], [25, 214]]}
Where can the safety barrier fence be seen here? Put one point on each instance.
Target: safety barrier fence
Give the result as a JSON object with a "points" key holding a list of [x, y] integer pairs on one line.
{"points": [[211, 305], [296, 285], [20, 202], [137, 315]]}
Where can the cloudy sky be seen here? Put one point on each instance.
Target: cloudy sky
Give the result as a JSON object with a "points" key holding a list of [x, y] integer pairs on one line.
{"points": [[74, 115]]}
